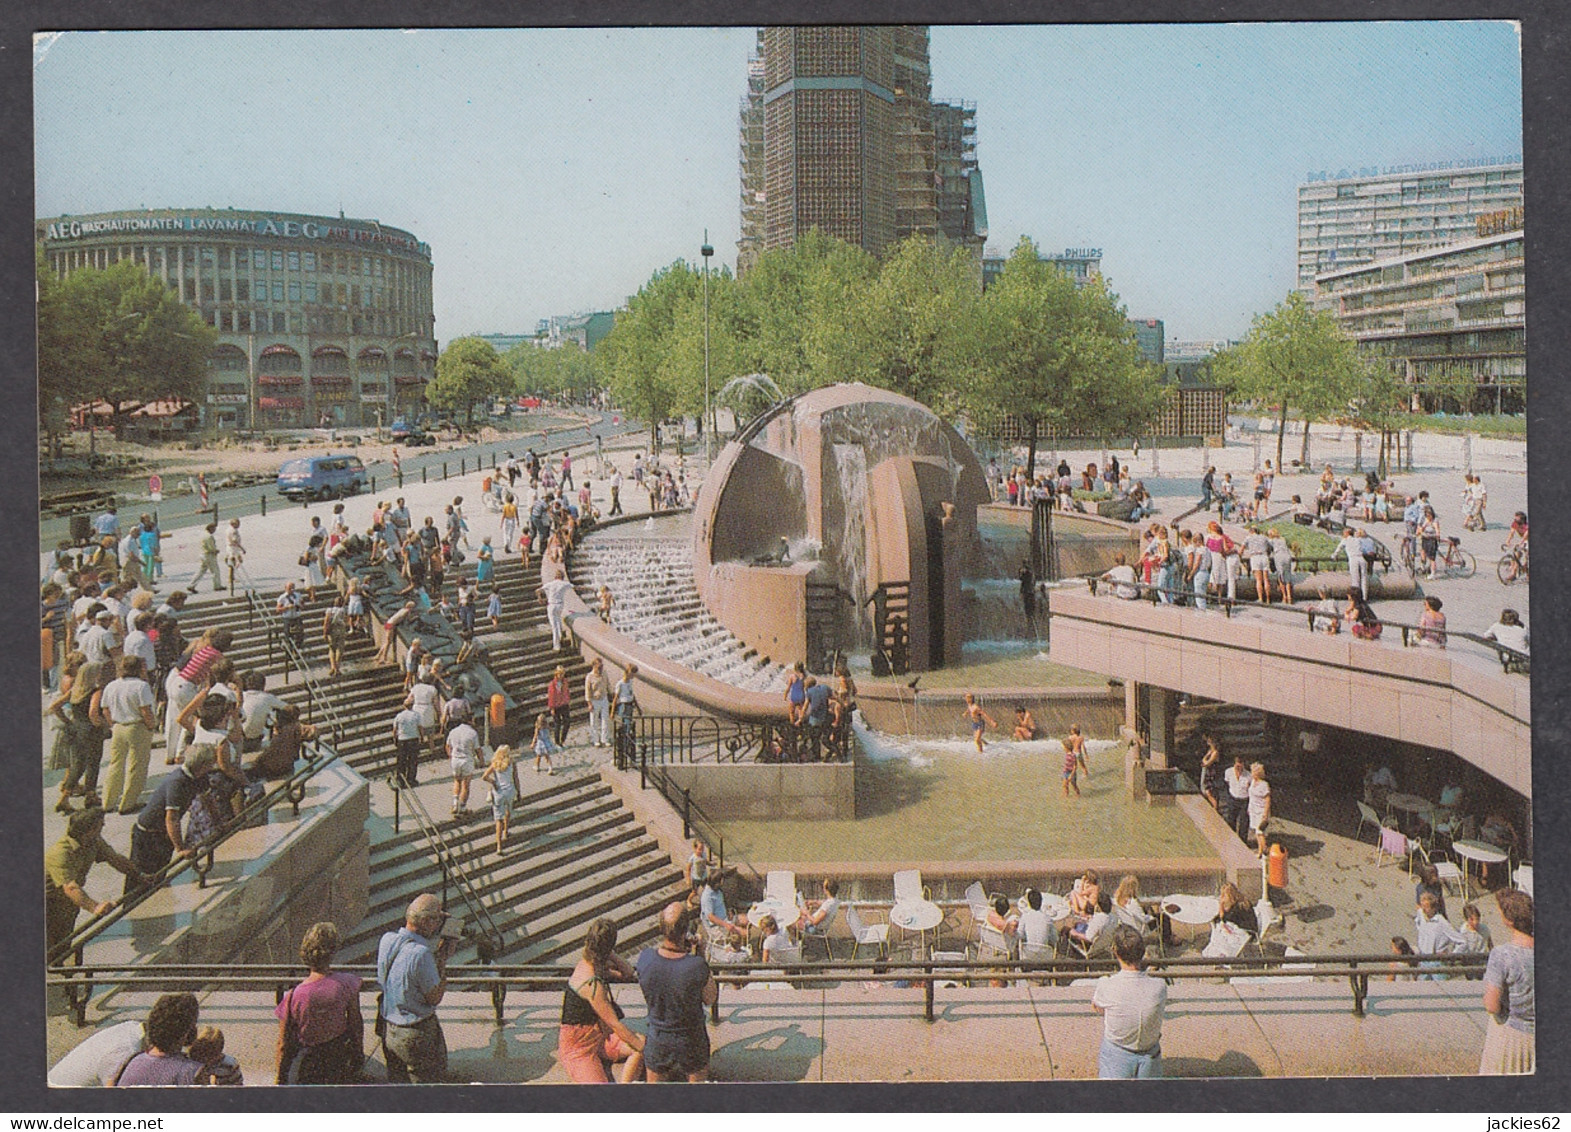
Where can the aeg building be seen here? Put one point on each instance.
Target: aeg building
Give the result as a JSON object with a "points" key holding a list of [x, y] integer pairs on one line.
{"points": [[321, 320]]}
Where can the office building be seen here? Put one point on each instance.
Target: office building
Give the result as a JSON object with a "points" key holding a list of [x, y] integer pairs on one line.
{"points": [[1451, 321], [1351, 220], [1080, 264], [321, 320]]}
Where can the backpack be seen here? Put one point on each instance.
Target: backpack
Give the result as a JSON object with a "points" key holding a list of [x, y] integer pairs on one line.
{"points": [[206, 818]]}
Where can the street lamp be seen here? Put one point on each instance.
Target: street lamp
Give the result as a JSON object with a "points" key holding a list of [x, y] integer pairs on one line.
{"points": [[709, 450]]}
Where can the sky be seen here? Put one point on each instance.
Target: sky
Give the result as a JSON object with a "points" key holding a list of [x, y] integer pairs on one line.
{"points": [[553, 170]]}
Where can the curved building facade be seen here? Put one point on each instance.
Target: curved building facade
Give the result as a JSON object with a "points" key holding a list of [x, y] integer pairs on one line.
{"points": [[321, 321]]}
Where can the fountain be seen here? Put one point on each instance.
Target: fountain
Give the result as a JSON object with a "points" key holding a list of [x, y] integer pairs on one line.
{"points": [[889, 492]]}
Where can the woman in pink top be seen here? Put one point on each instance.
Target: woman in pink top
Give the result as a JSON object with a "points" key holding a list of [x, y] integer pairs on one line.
{"points": [[321, 1034]]}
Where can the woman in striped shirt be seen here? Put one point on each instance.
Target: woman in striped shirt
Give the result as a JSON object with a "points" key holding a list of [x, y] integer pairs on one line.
{"points": [[184, 683]]}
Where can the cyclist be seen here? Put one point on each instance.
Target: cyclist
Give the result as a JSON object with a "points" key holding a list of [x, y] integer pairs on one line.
{"points": [[1518, 534]]}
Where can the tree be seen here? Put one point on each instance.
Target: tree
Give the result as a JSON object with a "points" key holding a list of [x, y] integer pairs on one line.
{"points": [[1379, 404], [119, 336], [907, 330], [634, 359], [1055, 357], [468, 373], [1293, 356], [790, 310]]}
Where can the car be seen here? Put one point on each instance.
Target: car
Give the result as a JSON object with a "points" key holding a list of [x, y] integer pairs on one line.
{"points": [[413, 436], [321, 477]]}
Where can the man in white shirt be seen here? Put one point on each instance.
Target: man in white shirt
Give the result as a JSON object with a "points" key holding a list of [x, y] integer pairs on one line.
{"points": [[1236, 813], [463, 745], [408, 735], [97, 1062], [819, 915], [1352, 545], [1122, 575], [1035, 928], [291, 608], [1433, 933], [257, 706], [1131, 1004], [139, 644], [127, 704], [554, 594], [99, 642], [1509, 631]]}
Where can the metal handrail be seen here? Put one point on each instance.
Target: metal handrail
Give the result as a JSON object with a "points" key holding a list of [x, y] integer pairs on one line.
{"points": [[490, 942], [1511, 660], [292, 789], [496, 978]]}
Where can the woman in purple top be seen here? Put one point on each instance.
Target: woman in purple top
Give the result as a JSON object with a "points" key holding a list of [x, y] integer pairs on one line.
{"points": [[171, 1026], [1508, 991], [321, 1035]]}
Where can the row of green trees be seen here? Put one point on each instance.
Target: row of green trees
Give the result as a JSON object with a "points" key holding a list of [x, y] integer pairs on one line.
{"points": [[918, 323]]}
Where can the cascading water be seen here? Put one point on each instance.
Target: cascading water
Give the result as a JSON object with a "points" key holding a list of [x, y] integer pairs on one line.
{"points": [[845, 522], [657, 605]]}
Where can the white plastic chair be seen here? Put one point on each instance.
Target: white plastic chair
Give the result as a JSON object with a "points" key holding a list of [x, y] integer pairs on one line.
{"points": [[865, 934], [976, 899], [820, 934], [785, 955], [991, 943], [1366, 816], [909, 887], [780, 886], [1394, 844], [1149, 926]]}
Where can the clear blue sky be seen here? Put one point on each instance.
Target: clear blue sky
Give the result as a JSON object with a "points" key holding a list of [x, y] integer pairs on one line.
{"points": [[553, 170]]}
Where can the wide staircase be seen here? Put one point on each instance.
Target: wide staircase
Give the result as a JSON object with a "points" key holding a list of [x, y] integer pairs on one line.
{"points": [[576, 853]]}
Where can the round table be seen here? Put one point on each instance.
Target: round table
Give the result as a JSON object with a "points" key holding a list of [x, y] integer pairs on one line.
{"points": [[1056, 907], [1480, 851], [1410, 804], [785, 915], [920, 916], [1193, 910]]}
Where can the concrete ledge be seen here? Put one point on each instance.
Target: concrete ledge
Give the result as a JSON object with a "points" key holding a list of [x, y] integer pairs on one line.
{"points": [[268, 885]]}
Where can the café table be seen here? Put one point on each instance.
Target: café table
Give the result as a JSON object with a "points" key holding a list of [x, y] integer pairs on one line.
{"points": [[1480, 851], [920, 916], [1410, 804], [785, 914], [1193, 911]]}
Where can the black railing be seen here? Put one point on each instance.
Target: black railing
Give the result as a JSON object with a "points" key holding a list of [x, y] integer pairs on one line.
{"points": [[1412, 635], [81, 982], [291, 790], [489, 941], [659, 739]]}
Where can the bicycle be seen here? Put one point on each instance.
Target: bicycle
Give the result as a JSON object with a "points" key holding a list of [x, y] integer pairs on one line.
{"points": [[1453, 560], [1513, 565]]}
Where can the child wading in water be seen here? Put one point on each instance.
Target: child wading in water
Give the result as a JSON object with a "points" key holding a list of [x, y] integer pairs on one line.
{"points": [[980, 720], [502, 777], [1074, 757], [543, 744], [1077, 744]]}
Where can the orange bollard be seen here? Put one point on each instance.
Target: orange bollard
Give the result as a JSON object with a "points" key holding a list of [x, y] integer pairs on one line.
{"points": [[1278, 866]]}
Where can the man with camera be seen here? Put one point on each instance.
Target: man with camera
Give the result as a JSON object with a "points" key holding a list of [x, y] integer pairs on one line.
{"points": [[411, 965], [677, 986]]}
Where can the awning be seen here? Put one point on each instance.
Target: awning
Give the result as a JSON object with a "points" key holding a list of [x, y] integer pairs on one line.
{"points": [[161, 409], [277, 349], [329, 352], [406, 379], [280, 402], [334, 380], [373, 352], [280, 379]]}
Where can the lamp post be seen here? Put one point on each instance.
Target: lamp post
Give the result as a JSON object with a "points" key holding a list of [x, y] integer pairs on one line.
{"points": [[709, 450]]}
